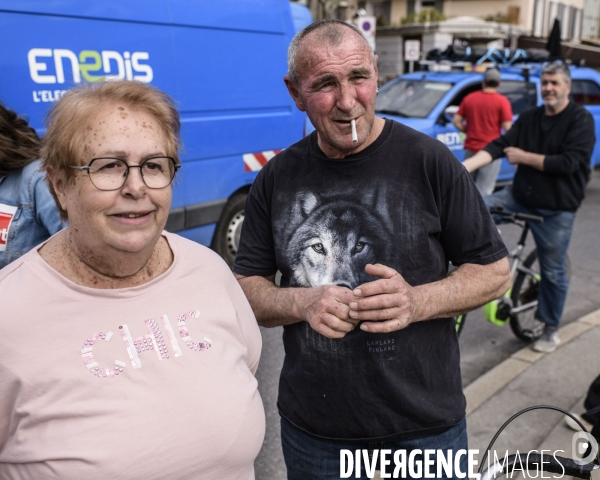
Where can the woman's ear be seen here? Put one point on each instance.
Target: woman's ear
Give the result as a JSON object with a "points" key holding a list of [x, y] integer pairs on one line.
{"points": [[59, 183]]}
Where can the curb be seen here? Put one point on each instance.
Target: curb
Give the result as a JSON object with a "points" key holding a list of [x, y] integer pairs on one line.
{"points": [[491, 382]]}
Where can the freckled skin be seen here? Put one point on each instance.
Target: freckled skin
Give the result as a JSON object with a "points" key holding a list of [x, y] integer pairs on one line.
{"points": [[96, 249]]}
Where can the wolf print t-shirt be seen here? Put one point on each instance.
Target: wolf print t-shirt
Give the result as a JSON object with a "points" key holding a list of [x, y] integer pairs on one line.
{"points": [[405, 202], [152, 382]]}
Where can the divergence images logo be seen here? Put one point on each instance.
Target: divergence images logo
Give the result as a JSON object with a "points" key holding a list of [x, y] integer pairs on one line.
{"points": [[583, 442], [47, 67]]}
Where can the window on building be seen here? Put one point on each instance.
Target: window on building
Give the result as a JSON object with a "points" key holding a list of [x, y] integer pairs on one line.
{"points": [[383, 12]]}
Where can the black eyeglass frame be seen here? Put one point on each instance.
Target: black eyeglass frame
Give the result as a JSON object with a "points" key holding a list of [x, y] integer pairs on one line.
{"points": [[176, 166]]}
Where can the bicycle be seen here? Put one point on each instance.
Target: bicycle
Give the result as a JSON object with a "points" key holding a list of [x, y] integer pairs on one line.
{"points": [[547, 463], [519, 303]]}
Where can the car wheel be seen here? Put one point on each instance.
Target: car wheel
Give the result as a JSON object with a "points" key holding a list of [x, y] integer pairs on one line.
{"points": [[227, 234]]}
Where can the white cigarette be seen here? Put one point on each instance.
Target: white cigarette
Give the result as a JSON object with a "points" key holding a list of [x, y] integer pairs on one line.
{"points": [[354, 136]]}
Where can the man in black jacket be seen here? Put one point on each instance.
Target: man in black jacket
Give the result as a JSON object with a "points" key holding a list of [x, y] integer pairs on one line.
{"points": [[551, 146]]}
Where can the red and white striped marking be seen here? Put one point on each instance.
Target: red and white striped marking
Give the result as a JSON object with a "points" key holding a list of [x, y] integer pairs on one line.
{"points": [[253, 162]]}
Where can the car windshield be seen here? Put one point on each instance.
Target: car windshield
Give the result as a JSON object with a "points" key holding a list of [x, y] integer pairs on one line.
{"points": [[410, 98]]}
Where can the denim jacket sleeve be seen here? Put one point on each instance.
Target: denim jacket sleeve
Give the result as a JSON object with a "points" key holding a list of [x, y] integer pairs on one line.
{"points": [[36, 217]]}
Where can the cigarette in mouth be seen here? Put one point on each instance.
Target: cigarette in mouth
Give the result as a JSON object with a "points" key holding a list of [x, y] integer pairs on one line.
{"points": [[354, 136]]}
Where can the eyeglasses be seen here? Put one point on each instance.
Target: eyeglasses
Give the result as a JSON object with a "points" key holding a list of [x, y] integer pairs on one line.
{"points": [[107, 173]]}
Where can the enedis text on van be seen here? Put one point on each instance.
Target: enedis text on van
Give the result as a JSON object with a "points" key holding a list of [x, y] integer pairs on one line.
{"points": [[89, 65]]}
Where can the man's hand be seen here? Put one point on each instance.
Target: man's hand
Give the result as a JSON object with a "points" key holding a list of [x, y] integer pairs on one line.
{"points": [[390, 304], [387, 304], [457, 121], [516, 156], [326, 309]]}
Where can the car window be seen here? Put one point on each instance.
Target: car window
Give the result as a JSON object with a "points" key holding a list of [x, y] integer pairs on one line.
{"points": [[518, 94], [410, 98], [585, 92]]}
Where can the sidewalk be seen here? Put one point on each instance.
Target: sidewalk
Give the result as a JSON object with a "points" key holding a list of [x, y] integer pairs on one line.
{"points": [[527, 378]]}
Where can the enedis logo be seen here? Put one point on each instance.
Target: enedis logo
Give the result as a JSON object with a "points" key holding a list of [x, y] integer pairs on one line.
{"points": [[89, 65]]}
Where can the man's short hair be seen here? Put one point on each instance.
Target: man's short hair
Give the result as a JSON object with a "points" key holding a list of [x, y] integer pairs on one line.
{"points": [[69, 121], [557, 67], [330, 32], [491, 78]]}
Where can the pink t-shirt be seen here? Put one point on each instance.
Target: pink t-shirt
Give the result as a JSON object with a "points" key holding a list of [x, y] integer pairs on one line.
{"points": [[153, 382]]}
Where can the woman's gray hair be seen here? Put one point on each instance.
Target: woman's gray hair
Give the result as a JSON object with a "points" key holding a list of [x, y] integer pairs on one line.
{"points": [[557, 67], [330, 32]]}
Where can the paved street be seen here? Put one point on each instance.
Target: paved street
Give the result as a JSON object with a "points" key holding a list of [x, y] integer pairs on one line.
{"points": [[483, 345]]}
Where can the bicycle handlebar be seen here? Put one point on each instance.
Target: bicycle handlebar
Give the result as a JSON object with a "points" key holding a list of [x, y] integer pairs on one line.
{"points": [[547, 463], [512, 216]]}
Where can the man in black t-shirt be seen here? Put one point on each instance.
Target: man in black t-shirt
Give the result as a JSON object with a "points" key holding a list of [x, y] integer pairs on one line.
{"points": [[362, 231], [551, 145]]}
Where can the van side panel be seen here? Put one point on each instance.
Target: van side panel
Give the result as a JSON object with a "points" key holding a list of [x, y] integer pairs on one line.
{"points": [[250, 15], [265, 16], [152, 11], [46, 55], [223, 63]]}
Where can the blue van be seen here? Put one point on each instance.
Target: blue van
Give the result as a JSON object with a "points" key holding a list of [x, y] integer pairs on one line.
{"points": [[223, 62], [427, 101]]}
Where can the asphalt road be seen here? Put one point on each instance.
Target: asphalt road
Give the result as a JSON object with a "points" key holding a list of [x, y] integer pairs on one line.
{"points": [[482, 344]]}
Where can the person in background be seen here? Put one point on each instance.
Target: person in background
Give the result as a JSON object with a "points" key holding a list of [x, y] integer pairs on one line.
{"points": [[551, 145], [127, 352], [591, 417], [483, 115], [28, 214]]}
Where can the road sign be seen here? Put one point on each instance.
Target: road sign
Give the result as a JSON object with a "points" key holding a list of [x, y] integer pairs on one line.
{"points": [[367, 25], [412, 50]]}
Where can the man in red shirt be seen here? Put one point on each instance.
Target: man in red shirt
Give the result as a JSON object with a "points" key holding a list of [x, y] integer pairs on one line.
{"points": [[481, 116]]}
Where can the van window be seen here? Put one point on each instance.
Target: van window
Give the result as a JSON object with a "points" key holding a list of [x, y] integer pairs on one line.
{"points": [[585, 92], [518, 94], [515, 91], [410, 98]]}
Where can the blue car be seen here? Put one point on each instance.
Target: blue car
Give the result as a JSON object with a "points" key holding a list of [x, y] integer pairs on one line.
{"points": [[427, 101]]}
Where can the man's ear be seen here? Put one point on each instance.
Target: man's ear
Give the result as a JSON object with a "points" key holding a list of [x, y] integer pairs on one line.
{"points": [[59, 183], [294, 93]]}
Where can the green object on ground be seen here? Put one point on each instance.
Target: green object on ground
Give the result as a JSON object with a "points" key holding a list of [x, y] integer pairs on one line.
{"points": [[490, 310]]}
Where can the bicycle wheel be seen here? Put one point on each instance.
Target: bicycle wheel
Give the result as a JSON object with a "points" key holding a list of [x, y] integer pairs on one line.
{"points": [[460, 323], [525, 290]]}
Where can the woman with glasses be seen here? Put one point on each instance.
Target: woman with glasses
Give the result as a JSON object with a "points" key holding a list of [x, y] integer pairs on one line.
{"points": [[127, 352], [28, 215]]}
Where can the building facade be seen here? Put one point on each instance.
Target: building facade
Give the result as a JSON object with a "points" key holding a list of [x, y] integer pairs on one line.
{"points": [[579, 18]]}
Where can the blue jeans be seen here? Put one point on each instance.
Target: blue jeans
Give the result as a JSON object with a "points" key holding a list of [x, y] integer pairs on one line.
{"points": [[552, 239], [307, 457]]}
